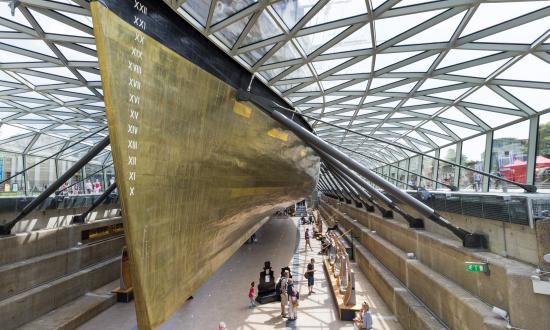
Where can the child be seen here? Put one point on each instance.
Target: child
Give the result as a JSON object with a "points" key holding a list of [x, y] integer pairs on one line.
{"points": [[363, 318], [251, 296]]}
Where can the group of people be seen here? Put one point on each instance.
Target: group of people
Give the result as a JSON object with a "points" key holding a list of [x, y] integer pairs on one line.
{"points": [[92, 187], [290, 295]]}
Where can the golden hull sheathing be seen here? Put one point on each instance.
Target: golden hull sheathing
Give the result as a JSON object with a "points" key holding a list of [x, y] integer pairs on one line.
{"points": [[197, 172]]}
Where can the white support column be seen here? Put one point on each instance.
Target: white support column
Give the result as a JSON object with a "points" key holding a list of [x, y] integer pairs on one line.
{"points": [[532, 150], [458, 157], [487, 160]]}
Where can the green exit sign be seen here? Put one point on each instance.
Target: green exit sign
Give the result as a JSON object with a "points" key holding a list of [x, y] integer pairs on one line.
{"points": [[476, 266]]}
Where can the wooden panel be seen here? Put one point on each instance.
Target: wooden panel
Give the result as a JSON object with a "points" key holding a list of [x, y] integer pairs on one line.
{"points": [[197, 172]]}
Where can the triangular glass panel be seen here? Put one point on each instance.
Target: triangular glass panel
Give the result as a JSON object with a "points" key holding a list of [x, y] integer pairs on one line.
{"points": [[360, 39], [403, 88], [348, 113], [285, 87], [492, 119], [58, 71], [536, 99], [8, 57], [462, 132], [5, 114], [198, 9], [390, 104], [323, 66], [431, 83], [430, 125], [264, 28], [450, 95], [490, 14], [32, 45], [229, 35], [353, 101], [301, 72], [399, 115], [285, 53], [438, 140], [311, 42], [226, 8], [388, 28], [38, 81], [73, 55], [373, 98], [270, 74], [481, 71], [529, 68], [456, 56], [418, 66], [412, 102], [336, 10], [328, 84], [6, 77], [365, 112], [385, 59], [359, 87], [17, 145], [455, 114], [379, 82], [8, 131], [523, 34], [485, 95], [310, 88], [50, 25], [441, 32], [363, 66], [5, 12], [89, 76], [292, 11], [253, 56]]}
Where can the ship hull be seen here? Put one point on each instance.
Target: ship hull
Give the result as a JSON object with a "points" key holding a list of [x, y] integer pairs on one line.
{"points": [[197, 172]]}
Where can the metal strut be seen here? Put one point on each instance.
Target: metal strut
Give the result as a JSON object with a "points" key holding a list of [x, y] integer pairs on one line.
{"points": [[81, 218], [468, 239]]}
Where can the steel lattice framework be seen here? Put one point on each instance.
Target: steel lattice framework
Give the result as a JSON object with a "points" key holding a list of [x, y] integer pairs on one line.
{"points": [[424, 74]]}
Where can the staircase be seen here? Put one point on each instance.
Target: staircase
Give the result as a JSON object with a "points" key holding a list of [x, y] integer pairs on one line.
{"points": [[50, 280], [421, 275]]}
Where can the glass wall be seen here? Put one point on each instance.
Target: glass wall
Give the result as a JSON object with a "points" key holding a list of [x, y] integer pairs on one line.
{"points": [[428, 170], [402, 174], [509, 156], [473, 155], [414, 169], [542, 164], [40, 176], [446, 171], [10, 164]]}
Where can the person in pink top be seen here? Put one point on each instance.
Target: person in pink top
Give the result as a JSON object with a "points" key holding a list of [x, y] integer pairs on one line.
{"points": [[251, 296], [97, 186]]}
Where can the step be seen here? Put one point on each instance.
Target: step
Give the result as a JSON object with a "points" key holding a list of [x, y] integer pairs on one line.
{"points": [[32, 304], [76, 312], [457, 307], [507, 279], [24, 275], [23, 246]]}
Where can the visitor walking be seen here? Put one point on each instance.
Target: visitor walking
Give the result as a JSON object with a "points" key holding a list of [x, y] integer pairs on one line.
{"points": [[292, 301], [310, 277], [88, 187], [251, 296], [363, 318], [283, 290], [307, 240]]}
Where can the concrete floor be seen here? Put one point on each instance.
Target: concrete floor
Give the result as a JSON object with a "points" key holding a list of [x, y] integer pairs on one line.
{"points": [[224, 296]]}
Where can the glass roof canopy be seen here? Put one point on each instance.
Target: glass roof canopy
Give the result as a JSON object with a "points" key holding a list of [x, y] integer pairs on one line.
{"points": [[420, 73]]}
